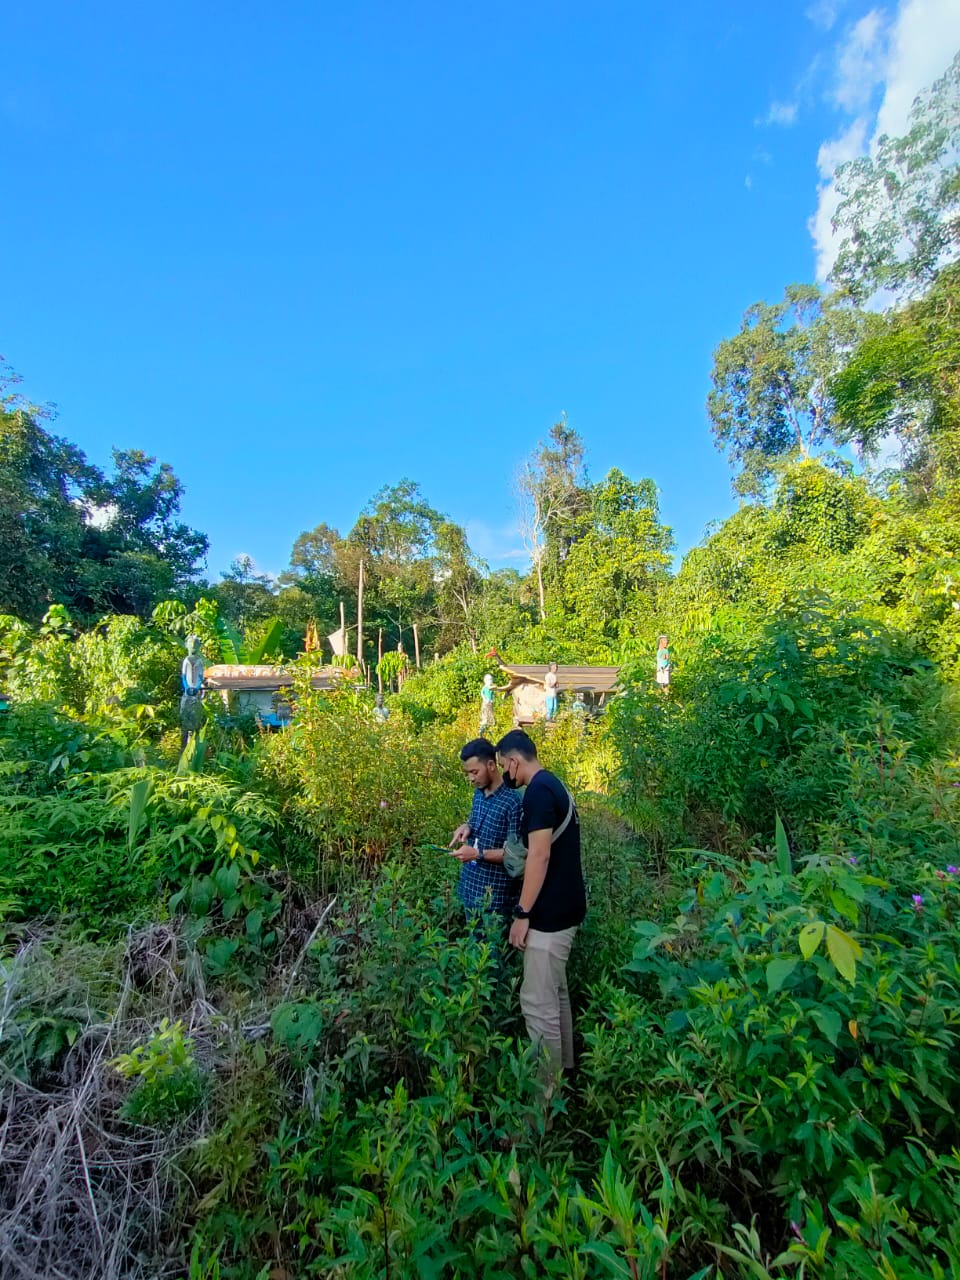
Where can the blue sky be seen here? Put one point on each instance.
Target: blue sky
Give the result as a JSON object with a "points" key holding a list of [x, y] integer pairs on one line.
{"points": [[303, 250]]}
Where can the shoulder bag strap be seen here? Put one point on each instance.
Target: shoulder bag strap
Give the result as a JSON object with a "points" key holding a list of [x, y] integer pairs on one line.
{"points": [[567, 820]]}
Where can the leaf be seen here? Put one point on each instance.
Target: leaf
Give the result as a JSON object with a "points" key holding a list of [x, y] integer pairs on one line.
{"points": [[828, 1020], [810, 936], [139, 795], [676, 1020], [227, 879], [268, 644], [219, 954], [853, 1028], [758, 722], [778, 971], [784, 861], [844, 905], [844, 951]]}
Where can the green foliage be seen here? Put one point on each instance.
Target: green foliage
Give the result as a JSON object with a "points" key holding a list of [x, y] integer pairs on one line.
{"points": [[615, 572], [441, 690], [122, 673], [903, 381], [169, 1084], [899, 205], [773, 715], [764, 1061], [354, 789], [96, 542], [770, 396]]}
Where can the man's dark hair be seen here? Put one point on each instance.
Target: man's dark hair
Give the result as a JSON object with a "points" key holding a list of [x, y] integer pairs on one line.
{"points": [[481, 748], [519, 742]]}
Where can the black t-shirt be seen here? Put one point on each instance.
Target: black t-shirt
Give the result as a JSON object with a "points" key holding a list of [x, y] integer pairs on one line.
{"points": [[562, 902]]}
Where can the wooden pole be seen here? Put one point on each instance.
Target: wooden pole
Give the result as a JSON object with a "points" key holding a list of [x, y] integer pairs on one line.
{"points": [[379, 659], [360, 618], [416, 644]]}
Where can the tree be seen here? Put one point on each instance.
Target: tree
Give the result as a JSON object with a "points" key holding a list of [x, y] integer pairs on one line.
{"points": [[314, 556], [396, 538], [903, 382], [552, 491], [770, 396], [244, 596], [459, 582], [618, 566], [899, 208], [134, 548], [73, 535]]}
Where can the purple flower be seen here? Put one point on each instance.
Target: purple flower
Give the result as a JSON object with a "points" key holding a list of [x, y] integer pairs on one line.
{"points": [[918, 901], [852, 860], [952, 871]]}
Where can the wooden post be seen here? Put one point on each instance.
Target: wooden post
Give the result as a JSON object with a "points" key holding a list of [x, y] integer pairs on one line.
{"points": [[416, 644], [379, 659], [360, 618]]}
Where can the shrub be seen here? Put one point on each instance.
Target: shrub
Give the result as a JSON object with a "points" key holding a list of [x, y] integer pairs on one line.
{"points": [[762, 717], [354, 790]]}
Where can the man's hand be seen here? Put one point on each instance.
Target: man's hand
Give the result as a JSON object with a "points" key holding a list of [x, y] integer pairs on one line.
{"points": [[466, 853], [460, 834], [518, 934]]}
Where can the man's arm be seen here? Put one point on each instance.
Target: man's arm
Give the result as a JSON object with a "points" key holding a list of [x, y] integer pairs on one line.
{"points": [[534, 874]]}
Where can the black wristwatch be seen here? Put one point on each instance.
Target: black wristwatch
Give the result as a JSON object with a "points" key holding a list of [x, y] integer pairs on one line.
{"points": [[479, 857], [519, 913]]}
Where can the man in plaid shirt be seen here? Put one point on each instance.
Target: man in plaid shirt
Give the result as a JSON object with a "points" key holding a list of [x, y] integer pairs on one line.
{"points": [[484, 885]]}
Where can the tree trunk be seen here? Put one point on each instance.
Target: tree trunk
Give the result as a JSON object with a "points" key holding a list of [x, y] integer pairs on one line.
{"points": [[360, 618], [416, 645], [379, 659], [543, 606]]}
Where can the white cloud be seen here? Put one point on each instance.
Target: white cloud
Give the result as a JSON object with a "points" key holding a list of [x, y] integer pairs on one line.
{"points": [[748, 182], [783, 113], [900, 57], [831, 155], [861, 62], [823, 14]]}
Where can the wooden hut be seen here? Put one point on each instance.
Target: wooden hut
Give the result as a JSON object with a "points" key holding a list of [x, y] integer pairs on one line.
{"points": [[595, 685], [260, 690]]}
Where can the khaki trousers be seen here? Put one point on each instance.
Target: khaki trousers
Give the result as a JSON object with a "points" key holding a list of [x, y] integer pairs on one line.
{"points": [[544, 998]]}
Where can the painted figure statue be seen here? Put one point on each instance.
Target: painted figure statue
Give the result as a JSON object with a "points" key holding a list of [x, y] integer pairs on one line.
{"points": [[191, 700]]}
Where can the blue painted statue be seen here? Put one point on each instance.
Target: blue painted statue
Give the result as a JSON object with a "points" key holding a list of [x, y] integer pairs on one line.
{"points": [[191, 700]]}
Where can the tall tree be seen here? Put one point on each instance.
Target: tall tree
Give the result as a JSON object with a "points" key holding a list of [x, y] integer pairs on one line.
{"points": [[552, 491], [770, 396], [899, 211], [903, 383], [72, 535], [395, 535], [618, 566], [459, 582]]}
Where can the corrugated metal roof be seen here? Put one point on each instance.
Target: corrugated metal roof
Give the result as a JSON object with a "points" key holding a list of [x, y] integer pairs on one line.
{"points": [[227, 675], [597, 679]]}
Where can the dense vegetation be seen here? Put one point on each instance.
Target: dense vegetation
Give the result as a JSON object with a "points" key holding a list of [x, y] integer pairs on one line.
{"points": [[243, 1030]]}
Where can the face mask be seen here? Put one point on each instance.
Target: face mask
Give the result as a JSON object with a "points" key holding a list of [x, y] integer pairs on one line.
{"points": [[512, 783]]}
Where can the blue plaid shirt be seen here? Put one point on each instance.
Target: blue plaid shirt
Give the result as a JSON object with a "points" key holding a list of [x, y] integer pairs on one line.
{"points": [[485, 885]]}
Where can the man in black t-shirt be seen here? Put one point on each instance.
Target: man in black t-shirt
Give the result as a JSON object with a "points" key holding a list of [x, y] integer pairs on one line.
{"points": [[553, 900]]}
